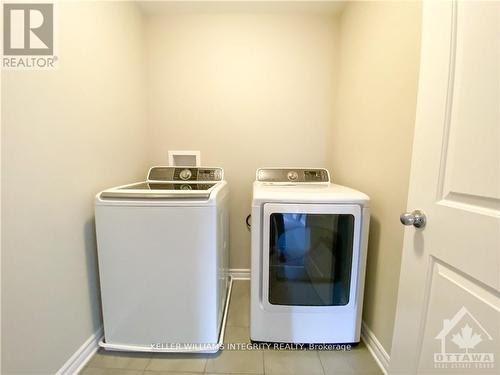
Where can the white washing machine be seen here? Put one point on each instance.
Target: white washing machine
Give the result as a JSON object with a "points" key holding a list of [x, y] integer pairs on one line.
{"points": [[309, 240], [163, 261]]}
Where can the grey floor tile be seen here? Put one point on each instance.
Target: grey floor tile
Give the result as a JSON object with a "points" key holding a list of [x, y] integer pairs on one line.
{"points": [[119, 360], [335, 363], [239, 308], [241, 288], [109, 371], [170, 373], [356, 361], [297, 362], [361, 360], [178, 362], [232, 362], [237, 335]]}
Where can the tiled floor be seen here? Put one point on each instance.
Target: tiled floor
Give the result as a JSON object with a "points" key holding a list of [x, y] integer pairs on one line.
{"points": [[356, 361]]}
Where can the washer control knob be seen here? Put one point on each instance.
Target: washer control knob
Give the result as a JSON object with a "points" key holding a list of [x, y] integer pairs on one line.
{"points": [[292, 176], [185, 174], [186, 187]]}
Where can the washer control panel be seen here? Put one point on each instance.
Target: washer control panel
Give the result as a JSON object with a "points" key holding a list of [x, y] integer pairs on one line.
{"points": [[185, 174], [293, 175]]}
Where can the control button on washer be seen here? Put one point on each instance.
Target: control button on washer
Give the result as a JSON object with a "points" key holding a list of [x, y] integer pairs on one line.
{"points": [[292, 176], [185, 174]]}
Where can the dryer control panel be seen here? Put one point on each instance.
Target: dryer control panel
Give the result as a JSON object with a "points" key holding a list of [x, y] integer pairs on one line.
{"points": [[293, 175], [185, 174]]}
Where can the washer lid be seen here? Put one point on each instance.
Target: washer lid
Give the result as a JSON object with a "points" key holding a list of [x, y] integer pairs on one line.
{"points": [[161, 190], [171, 183]]}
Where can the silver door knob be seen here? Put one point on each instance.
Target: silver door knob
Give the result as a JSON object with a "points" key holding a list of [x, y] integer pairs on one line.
{"points": [[416, 218]]}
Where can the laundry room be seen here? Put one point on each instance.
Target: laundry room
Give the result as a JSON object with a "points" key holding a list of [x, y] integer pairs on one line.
{"points": [[299, 230]]}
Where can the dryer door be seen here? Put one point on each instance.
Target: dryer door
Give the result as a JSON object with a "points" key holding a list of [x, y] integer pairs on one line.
{"points": [[310, 255]]}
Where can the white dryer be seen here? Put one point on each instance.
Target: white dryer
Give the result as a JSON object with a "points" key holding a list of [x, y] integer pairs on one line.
{"points": [[163, 261], [309, 240]]}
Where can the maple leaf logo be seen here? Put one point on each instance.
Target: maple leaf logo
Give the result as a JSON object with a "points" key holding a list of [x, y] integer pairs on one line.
{"points": [[466, 339]]}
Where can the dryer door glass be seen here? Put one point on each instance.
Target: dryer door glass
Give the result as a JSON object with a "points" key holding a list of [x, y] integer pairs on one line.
{"points": [[310, 259]]}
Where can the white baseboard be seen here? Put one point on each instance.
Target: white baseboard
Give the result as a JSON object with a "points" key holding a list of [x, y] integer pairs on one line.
{"points": [[80, 358], [240, 273], [375, 347]]}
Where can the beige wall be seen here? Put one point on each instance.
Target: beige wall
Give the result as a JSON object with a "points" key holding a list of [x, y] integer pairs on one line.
{"points": [[248, 90], [66, 134], [371, 138]]}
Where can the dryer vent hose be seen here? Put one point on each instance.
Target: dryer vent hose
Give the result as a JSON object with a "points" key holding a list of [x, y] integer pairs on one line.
{"points": [[247, 220]]}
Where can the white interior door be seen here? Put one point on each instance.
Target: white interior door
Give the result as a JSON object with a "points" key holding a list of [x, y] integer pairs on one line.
{"points": [[448, 308]]}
